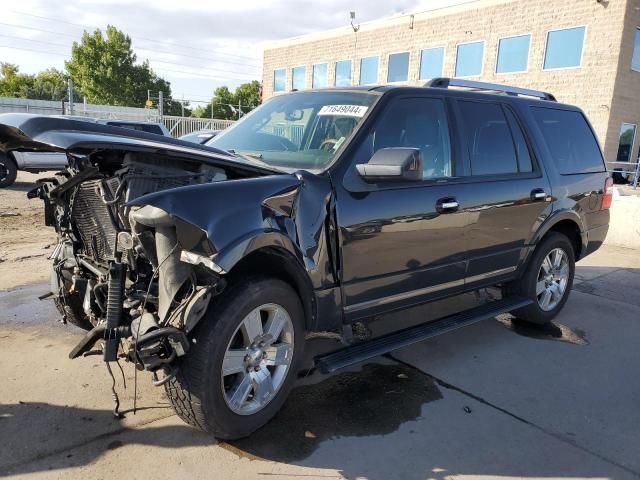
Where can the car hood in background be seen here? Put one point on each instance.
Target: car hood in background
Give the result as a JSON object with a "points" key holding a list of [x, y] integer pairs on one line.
{"points": [[26, 132]]}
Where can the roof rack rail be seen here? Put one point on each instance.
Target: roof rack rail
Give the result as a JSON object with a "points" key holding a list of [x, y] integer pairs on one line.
{"points": [[493, 87]]}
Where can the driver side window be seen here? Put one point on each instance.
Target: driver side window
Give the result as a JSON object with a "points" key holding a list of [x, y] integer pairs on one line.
{"points": [[417, 123]]}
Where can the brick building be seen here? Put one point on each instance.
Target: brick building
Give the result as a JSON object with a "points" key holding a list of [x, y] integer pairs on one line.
{"points": [[585, 52]]}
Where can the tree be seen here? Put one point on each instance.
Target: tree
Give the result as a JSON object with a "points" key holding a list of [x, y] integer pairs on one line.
{"points": [[104, 70], [13, 83], [225, 103], [49, 84]]}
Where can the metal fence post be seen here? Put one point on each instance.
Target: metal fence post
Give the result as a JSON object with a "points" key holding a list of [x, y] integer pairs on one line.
{"points": [[70, 87]]}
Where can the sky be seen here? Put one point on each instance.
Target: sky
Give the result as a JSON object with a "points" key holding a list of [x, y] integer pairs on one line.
{"points": [[196, 45]]}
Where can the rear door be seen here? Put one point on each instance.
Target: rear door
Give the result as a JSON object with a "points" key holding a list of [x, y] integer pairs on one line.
{"points": [[507, 195], [399, 246]]}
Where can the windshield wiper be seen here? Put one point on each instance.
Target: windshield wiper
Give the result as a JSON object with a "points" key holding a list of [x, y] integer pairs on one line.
{"points": [[257, 156]]}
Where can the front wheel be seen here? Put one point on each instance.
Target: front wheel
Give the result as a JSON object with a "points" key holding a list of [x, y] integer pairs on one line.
{"points": [[547, 280], [243, 360], [8, 170]]}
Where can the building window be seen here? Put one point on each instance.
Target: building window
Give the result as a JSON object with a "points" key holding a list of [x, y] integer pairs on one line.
{"points": [[513, 54], [635, 61], [343, 73], [298, 76], [319, 76], [431, 63], [279, 80], [398, 70], [369, 71], [469, 59], [625, 144], [564, 48]]}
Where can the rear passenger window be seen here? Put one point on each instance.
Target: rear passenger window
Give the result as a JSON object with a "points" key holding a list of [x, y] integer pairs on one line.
{"points": [[573, 146], [488, 138]]}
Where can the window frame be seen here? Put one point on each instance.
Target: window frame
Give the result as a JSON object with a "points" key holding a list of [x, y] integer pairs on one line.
{"points": [[466, 175], [455, 65], [546, 47], [526, 70], [633, 141], [408, 52], [335, 73], [444, 56], [377, 81], [636, 33], [284, 89], [326, 73], [292, 77]]}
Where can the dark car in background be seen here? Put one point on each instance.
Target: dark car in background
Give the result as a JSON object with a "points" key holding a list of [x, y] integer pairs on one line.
{"points": [[210, 265]]}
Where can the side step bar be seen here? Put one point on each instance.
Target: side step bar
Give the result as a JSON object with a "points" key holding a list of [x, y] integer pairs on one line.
{"points": [[330, 362]]}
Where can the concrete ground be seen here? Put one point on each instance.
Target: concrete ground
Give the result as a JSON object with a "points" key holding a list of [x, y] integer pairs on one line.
{"points": [[493, 400]]}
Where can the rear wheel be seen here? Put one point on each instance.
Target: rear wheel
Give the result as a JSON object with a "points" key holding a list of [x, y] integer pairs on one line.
{"points": [[8, 170], [243, 360], [547, 280]]}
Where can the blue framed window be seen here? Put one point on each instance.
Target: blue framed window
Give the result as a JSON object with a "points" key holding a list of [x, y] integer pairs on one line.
{"points": [[513, 54], [298, 76], [369, 70], [431, 63], [279, 80], [635, 61], [319, 79], [469, 58], [343, 73], [398, 70], [564, 48]]}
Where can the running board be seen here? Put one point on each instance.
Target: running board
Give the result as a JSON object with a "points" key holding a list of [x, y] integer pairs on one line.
{"points": [[330, 362]]}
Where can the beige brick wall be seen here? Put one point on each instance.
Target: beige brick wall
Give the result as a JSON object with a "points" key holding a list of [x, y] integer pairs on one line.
{"points": [[606, 51]]}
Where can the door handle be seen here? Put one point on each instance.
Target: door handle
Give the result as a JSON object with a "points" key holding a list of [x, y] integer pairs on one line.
{"points": [[538, 194], [447, 205]]}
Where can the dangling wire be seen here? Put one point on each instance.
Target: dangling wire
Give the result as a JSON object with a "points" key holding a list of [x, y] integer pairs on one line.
{"points": [[114, 394]]}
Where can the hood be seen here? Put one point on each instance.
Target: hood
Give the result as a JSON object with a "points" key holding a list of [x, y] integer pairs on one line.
{"points": [[25, 132]]}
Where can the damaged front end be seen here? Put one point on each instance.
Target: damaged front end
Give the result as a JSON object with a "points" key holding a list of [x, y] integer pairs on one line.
{"points": [[138, 278]]}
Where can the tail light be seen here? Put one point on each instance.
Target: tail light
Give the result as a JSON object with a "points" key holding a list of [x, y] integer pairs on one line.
{"points": [[608, 193]]}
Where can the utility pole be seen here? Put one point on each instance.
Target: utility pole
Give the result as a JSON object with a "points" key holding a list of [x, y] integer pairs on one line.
{"points": [[183, 104], [160, 104], [213, 100], [239, 109], [70, 93]]}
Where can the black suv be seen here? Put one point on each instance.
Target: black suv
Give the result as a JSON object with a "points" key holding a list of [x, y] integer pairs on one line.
{"points": [[209, 265]]}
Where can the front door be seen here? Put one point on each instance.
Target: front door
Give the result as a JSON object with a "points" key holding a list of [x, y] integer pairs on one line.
{"points": [[402, 242]]}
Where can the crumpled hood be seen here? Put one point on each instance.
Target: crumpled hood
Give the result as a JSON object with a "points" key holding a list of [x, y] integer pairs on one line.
{"points": [[25, 132]]}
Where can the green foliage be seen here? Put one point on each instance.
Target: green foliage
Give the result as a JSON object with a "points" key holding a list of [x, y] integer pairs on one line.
{"points": [[104, 70], [225, 103], [49, 84]]}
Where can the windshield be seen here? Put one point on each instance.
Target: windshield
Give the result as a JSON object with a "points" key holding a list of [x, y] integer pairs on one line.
{"points": [[300, 131]]}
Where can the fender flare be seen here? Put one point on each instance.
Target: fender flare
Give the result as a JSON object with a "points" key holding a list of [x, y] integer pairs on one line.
{"points": [[552, 220]]}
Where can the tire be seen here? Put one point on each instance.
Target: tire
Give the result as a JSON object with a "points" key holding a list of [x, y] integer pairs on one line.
{"points": [[8, 170], [529, 284], [71, 310], [202, 396]]}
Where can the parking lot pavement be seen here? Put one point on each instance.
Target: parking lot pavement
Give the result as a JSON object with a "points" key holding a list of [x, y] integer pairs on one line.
{"points": [[495, 399]]}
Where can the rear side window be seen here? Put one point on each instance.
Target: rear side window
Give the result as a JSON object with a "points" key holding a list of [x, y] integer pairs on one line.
{"points": [[488, 138], [573, 146]]}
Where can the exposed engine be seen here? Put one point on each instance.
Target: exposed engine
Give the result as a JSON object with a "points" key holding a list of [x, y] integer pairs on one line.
{"points": [[117, 270]]}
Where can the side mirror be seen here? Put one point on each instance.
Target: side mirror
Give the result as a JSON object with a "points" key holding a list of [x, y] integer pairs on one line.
{"points": [[392, 165]]}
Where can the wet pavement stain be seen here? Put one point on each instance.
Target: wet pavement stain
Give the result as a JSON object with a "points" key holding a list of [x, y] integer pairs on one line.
{"points": [[374, 401], [552, 331]]}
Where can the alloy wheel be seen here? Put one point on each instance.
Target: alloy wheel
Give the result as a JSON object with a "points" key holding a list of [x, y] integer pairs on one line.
{"points": [[553, 278], [257, 359]]}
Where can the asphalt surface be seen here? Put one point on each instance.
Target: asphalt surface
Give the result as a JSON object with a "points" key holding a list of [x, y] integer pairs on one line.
{"points": [[496, 399]]}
